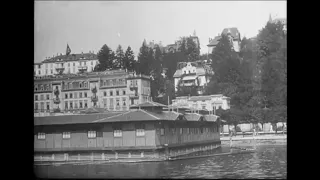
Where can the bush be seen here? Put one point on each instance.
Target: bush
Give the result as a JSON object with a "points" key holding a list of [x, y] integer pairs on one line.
{"points": [[238, 129]]}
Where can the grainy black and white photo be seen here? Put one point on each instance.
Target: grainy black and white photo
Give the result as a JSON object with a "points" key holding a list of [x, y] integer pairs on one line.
{"points": [[160, 89]]}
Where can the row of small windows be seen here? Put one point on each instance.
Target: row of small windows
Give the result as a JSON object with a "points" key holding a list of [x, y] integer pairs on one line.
{"points": [[117, 93], [113, 82], [93, 134], [43, 87], [74, 104], [141, 132], [42, 97], [124, 102], [42, 106], [74, 85], [81, 95], [74, 64]]}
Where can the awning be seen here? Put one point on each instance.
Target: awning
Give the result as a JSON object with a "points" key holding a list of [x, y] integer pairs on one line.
{"points": [[189, 78]]}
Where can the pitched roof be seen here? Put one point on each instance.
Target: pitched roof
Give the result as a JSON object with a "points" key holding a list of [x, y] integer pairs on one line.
{"points": [[71, 119], [199, 98], [94, 110], [211, 117], [192, 116], [71, 57], [214, 41], [148, 104], [233, 31]]}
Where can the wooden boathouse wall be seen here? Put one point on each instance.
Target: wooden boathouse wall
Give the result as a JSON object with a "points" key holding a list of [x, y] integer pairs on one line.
{"points": [[105, 135]]}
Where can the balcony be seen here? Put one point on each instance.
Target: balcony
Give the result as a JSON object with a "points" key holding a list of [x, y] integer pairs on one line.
{"points": [[56, 100], [133, 95], [82, 69], [60, 70], [133, 86]]}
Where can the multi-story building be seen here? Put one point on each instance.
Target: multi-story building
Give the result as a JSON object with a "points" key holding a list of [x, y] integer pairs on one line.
{"points": [[202, 102], [192, 73], [281, 20], [113, 90], [234, 37], [66, 64]]}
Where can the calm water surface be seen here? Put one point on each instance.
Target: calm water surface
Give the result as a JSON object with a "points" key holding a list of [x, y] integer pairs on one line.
{"points": [[269, 161]]}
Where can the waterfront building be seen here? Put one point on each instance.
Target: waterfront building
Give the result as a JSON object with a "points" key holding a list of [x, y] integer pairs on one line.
{"points": [[114, 90], [208, 103], [192, 74], [234, 36], [145, 132]]}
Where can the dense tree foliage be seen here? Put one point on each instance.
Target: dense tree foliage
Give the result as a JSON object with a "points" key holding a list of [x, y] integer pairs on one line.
{"points": [[106, 59], [128, 60]]}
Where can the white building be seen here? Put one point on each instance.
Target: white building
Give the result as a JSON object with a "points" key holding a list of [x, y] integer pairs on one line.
{"points": [[66, 64], [192, 73], [203, 102]]}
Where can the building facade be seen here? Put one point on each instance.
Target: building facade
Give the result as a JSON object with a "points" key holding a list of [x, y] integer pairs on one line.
{"points": [[175, 47], [66, 64], [113, 90], [208, 103], [192, 73]]}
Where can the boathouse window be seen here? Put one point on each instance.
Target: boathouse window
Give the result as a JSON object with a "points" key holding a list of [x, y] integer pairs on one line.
{"points": [[41, 136], [92, 134], [117, 133], [66, 135], [36, 97], [162, 131], [140, 130]]}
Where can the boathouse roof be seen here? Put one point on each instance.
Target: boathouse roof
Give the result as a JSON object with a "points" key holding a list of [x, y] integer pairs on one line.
{"points": [[132, 115], [148, 104]]}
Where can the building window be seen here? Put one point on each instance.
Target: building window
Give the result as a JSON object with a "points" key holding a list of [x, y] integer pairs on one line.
{"points": [[80, 85], [75, 95], [41, 97], [85, 104], [181, 130], [74, 64], [66, 135], [36, 97], [92, 134], [203, 107], [80, 104], [111, 103], [48, 106], [140, 132], [76, 105], [91, 63], [162, 131], [41, 136], [66, 105], [48, 97], [124, 92], [71, 107], [111, 93], [117, 133], [70, 95], [46, 71], [85, 84], [35, 106], [124, 102], [104, 102], [187, 130], [66, 96], [68, 64], [51, 71], [39, 72], [117, 92], [104, 93], [80, 94], [85, 94], [117, 102]]}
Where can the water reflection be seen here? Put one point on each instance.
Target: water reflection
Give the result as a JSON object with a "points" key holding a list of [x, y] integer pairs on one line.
{"points": [[268, 161]]}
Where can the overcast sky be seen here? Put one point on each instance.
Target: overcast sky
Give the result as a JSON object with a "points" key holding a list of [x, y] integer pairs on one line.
{"points": [[87, 25]]}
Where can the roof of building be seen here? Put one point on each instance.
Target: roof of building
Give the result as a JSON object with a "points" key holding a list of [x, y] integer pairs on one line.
{"points": [[71, 57], [193, 116], [93, 110], [233, 31], [148, 104], [199, 98], [199, 71], [132, 115], [71, 119], [214, 41], [211, 117]]}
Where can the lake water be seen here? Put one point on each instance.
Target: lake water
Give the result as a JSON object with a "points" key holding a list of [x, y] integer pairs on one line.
{"points": [[269, 161]]}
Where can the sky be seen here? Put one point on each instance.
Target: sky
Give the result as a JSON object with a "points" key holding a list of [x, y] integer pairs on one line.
{"points": [[88, 25]]}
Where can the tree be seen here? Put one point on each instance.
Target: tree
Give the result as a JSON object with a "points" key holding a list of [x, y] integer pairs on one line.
{"points": [[105, 58], [170, 61], [119, 63], [190, 49], [128, 59], [145, 59], [158, 81]]}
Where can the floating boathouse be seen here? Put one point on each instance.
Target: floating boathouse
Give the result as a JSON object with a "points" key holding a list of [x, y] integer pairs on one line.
{"points": [[144, 133]]}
